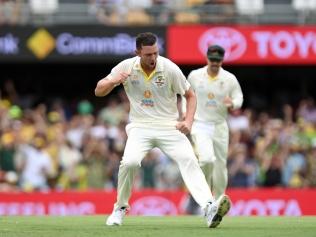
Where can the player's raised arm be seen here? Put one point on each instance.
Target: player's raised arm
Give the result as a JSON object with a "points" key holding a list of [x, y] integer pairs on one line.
{"points": [[107, 84]]}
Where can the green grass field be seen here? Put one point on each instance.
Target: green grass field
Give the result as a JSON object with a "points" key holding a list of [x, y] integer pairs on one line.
{"points": [[183, 226]]}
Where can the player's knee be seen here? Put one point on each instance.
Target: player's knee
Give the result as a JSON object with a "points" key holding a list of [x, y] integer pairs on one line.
{"points": [[206, 160], [187, 161], [221, 163], [130, 163]]}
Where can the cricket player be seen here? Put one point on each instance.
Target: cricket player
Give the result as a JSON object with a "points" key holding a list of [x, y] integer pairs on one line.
{"points": [[152, 83], [217, 91]]}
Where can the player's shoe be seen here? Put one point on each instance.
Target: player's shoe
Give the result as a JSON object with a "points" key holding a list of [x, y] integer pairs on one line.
{"points": [[214, 212], [116, 218]]}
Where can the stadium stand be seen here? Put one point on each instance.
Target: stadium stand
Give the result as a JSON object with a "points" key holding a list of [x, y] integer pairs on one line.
{"points": [[122, 12]]}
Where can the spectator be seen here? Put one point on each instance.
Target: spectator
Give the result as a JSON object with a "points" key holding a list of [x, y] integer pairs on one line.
{"points": [[113, 113], [7, 151], [149, 165], [35, 166], [69, 158], [311, 165], [294, 167], [237, 120], [307, 110], [242, 169], [10, 12]]}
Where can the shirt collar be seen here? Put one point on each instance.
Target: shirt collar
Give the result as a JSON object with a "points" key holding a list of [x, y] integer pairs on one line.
{"points": [[159, 64], [218, 75]]}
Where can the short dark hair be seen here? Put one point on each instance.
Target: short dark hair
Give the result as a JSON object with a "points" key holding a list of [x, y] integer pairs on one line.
{"points": [[145, 39]]}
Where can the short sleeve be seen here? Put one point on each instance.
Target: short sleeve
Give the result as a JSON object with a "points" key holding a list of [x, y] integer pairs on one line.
{"points": [[190, 77], [180, 83], [121, 67]]}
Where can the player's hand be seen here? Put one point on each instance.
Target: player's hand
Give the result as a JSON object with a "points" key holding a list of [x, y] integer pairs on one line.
{"points": [[184, 127], [121, 78], [228, 102]]}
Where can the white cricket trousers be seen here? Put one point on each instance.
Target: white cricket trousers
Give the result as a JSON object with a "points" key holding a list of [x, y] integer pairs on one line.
{"points": [[211, 146], [176, 146]]}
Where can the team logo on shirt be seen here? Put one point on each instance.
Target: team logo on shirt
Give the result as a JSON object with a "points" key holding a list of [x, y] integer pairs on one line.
{"points": [[159, 81], [147, 101]]}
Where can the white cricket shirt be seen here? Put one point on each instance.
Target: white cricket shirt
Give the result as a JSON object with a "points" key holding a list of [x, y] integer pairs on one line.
{"points": [[210, 94], [153, 99]]}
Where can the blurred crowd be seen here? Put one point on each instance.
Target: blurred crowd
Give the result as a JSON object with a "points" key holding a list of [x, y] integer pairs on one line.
{"points": [[143, 12], [115, 12], [152, 12], [49, 146], [10, 12]]}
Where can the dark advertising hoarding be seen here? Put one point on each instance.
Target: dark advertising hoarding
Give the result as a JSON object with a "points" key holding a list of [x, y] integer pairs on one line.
{"points": [[72, 43]]}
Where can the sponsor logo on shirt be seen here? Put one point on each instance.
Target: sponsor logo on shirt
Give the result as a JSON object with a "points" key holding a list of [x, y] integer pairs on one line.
{"points": [[147, 101], [211, 102], [147, 94], [210, 95]]}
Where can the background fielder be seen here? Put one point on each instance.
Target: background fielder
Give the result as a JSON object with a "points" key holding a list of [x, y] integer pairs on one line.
{"points": [[217, 91]]}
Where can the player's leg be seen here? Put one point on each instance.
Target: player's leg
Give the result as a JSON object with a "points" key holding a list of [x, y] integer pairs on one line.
{"points": [[137, 146], [177, 146], [219, 180], [203, 146], [220, 176]]}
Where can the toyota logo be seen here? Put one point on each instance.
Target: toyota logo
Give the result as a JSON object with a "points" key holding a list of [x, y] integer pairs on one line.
{"points": [[232, 40], [153, 206]]}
